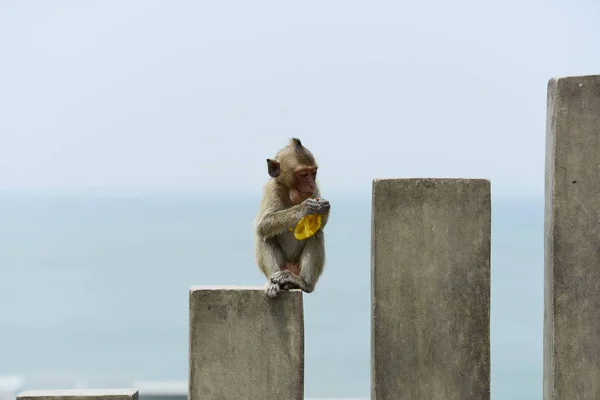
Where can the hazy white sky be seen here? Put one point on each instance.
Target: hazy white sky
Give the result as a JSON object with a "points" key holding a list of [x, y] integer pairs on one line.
{"points": [[196, 95]]}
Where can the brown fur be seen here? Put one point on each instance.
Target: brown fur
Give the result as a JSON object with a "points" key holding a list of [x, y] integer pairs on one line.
{"points": [[286, 262]]}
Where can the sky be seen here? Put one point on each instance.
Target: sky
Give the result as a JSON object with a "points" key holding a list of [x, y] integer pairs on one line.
{"points": [[188, 95]]}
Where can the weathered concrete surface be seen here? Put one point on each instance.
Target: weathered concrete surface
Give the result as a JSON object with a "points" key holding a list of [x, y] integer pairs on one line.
{"points": [[244, 345], [430, 265], [78, 394], [572, 240]]}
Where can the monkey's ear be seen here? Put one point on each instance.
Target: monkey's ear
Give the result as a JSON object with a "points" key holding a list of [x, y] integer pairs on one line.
{"points": [[274, 168]]}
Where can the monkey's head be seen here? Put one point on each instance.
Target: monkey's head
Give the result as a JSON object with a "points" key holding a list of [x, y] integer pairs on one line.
{"points": [[295, 167]]}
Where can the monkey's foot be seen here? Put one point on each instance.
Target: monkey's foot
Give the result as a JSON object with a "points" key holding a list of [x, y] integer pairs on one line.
{"points": [[287, 281], [272, 289], [281, 277], [288, 286]]}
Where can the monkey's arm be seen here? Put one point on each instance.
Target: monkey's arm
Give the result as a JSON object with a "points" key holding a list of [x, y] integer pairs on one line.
{"points": [[273, 223]]}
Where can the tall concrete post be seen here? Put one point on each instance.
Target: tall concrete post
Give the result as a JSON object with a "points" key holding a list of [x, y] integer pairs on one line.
{"points": [[246, 346], [430, 265], [80, 394], [572, 240]]}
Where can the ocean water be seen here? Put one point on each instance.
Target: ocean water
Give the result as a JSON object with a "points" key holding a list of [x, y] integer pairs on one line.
{"points": [[94, 289]]}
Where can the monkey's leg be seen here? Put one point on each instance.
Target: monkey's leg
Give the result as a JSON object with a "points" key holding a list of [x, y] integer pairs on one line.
{"points": [[312, 262], [270, 259]]}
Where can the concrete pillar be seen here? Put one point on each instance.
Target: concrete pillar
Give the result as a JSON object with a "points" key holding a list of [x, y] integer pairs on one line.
{"points": [[572, 240], [79, 394], [430, 266], [244, 345]]}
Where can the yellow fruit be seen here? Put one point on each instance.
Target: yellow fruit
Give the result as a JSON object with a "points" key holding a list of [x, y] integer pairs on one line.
{"points": [[307, 226]]}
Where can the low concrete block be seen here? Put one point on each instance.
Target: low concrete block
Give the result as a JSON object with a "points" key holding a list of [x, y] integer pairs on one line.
{"points": [[430, 289], [572, 240], [162, 390], [77, 394], [244, 345]]}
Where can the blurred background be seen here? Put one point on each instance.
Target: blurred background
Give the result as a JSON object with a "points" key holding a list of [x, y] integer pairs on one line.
{"points": [[133, 138]]}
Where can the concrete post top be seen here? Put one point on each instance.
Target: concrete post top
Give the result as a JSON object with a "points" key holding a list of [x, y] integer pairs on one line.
{"points": [[78, 393], [571, 86], [575, 77], [232, 288], [432, 181]]}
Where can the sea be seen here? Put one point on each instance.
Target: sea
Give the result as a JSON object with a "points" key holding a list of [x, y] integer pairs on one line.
{"points": [[94, 289]]}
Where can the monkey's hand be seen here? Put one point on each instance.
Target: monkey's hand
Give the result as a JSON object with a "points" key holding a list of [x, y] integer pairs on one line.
{"points": [[323, 206], [312, 206]]}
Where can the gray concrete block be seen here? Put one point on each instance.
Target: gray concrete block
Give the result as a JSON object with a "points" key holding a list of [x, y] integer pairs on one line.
{"points": [[244, 345], [162, 390], [572, 240], [80, 394], [163, 396], [430, 265]]}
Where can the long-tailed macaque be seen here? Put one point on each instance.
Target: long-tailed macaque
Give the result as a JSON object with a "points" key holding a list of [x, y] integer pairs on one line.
{"points": [[290, 194]]}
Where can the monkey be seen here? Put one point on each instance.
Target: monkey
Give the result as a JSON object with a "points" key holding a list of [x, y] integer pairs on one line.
{"points": [[290, 194]]}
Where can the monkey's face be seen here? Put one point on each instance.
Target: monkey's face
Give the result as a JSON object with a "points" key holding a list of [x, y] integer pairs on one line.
{"points": [[305, 180]]}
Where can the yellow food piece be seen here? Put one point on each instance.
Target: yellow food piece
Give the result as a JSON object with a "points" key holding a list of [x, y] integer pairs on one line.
{"points": [[307, 226]]}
